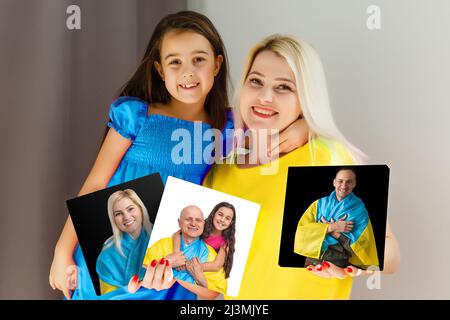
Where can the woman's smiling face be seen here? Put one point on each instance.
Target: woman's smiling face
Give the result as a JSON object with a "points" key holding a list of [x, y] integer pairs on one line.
{"points": [[269, 99], [128, 217]]}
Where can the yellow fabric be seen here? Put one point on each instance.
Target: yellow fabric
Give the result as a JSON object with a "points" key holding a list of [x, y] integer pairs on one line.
{"points": [[365, 249], [106, 287], [164, 247], [310, 234], [263, 278]]}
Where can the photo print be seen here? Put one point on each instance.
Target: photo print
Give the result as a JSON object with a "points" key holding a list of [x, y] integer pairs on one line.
{"points": [[335, 214], [113, 226]]}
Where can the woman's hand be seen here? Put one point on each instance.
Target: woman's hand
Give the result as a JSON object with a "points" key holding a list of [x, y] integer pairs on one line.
{"points": [[293, 137], [158, 276], [331, 271], [63, 274]]}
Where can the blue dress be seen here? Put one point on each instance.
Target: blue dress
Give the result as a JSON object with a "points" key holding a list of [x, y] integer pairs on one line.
{"points": [[160, 144]]}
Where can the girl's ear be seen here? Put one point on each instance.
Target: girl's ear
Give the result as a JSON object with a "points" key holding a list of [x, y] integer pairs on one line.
{"points": [[218, 64], [159, 69]]}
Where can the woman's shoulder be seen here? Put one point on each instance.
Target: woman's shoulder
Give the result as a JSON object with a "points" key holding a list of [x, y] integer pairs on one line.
{"points": [[127, 115]]}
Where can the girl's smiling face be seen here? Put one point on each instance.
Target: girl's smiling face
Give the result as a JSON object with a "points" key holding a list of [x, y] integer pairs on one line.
{"points": [[188, 66], [128, 217], [269, 99], [223, 218]]}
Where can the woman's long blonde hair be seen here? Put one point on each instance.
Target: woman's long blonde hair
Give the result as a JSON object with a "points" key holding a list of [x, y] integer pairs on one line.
{"points": [[311, 88], [116, 238]]}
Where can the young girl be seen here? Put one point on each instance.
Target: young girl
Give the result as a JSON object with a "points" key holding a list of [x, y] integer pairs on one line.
{"points": [[220, 227], [182, 78]]}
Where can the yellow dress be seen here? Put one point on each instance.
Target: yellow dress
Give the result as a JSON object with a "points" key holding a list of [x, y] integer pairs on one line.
{"points": [[263, 278]]}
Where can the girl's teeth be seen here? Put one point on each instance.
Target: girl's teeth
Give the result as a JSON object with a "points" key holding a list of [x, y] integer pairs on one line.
{"points": [[189, 85]]}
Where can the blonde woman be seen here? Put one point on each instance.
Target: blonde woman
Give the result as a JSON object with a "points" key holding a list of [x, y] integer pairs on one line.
{"points": [[283, 81], [122, 254]]}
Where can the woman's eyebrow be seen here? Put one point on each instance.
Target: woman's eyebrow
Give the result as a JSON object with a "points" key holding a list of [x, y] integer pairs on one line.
{"points": [[285, 79], [257, 73]]}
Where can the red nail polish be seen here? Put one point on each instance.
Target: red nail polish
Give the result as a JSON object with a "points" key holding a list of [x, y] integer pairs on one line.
{"points": [[167, 263], [309, 269], [153, 264], [349, 270], [326, 265], [319, 267], [135, 278], [162, 261]]}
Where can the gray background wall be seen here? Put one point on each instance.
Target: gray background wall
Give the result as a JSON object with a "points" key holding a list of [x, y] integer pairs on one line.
{"points": [[389, 90]]}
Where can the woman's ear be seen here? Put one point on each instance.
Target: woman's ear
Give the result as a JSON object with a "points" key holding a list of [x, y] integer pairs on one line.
{"points": [[159, 69], [218, 64]]}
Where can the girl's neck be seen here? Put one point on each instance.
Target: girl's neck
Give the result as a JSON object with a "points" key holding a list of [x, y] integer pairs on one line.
{"points": [[185, 111]]}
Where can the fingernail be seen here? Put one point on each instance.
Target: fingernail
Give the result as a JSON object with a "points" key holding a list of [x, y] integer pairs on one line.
{"points": [[162, 261], [153, 264], [135, 278], [167, 262], [349, 270], [319, 267], [309, 269], [326, 265]]}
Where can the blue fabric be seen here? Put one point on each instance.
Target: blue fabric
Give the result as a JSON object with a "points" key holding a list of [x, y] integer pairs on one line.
{"points": [[198, 249], [152, 149], [176, 292], [352, 206], [116, 269], [151, 152]]}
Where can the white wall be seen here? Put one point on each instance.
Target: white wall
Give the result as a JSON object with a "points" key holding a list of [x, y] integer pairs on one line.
{"points": [[390, 96]]}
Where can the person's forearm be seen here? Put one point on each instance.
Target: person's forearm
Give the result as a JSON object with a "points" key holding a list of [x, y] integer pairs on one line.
{"points": [[67, 240], [211, 266], [201, 281], [391, 252], [202, 292]]}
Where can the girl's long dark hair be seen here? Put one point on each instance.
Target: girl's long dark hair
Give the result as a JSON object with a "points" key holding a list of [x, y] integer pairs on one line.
{"points": [[228, 234], [146, 83]]}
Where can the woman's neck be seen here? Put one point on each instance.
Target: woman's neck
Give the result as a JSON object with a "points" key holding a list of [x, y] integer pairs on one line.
{"points": [[136, 233]]}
